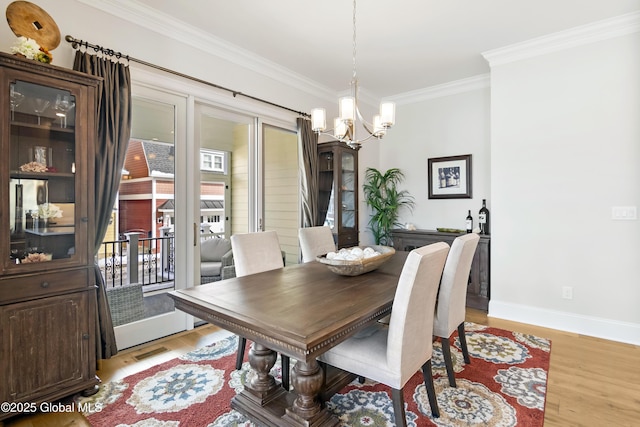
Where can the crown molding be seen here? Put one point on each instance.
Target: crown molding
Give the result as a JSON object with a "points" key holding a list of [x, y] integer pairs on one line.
{"points": [[468, 84], [584, 34], [142, 16]]}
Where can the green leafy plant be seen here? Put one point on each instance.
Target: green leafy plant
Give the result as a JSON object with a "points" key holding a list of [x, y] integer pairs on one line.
{"points": [[382, 196]]}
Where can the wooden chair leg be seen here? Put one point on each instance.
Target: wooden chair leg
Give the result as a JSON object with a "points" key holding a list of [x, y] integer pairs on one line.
{"points": [[398, 407], [284, 363], [446, 355], [242, 343], [463, 343], [427, 374]]}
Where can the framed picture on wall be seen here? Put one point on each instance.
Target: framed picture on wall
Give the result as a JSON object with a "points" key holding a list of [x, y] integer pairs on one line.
{"points": [[450, 177]]}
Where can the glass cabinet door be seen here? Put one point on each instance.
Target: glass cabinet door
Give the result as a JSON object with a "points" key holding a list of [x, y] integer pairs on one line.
{"points": [[347, 187], [42, 169]]}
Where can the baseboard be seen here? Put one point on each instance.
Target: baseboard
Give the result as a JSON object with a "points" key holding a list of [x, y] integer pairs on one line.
{"points": [[614, 330]]}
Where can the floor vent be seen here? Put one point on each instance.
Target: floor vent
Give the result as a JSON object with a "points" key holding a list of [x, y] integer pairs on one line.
{"points": [[150, 353]]}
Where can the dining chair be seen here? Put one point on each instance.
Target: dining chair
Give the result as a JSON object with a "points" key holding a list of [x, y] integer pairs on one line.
{"points": [[254, 253], [452, 298], [315, 241], [392, 355]]}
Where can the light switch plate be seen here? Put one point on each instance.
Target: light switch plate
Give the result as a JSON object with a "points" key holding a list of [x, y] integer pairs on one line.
{"points": [[624, 213]]}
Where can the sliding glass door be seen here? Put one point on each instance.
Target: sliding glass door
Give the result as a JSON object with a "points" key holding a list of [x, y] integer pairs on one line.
{"points": [[222, 185], [144, 253]]}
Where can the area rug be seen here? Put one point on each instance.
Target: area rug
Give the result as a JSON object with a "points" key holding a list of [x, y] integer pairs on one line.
{"points": [[504, 385]]}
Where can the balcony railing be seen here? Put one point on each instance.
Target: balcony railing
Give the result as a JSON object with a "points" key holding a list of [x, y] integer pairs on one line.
{"points": [[135, 259], [146, 260]]}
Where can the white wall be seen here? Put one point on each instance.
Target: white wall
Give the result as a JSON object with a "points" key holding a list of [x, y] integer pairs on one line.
{"points": [[442, 126], [565, 148]]}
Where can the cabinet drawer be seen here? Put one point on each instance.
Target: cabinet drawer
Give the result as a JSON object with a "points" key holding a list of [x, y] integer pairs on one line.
{"points": [[26, 287]]}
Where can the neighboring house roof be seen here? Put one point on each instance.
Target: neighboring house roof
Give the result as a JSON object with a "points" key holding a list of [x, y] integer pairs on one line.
{"points": [[160, 157], [169, 205]]}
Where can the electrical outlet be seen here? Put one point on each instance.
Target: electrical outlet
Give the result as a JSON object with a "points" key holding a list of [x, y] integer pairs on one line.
{"points": [[567, 292]]}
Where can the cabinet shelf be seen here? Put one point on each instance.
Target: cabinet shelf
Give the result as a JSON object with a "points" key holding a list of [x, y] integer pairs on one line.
{"points": [[44, 128], [52, 231], [41, 175]]}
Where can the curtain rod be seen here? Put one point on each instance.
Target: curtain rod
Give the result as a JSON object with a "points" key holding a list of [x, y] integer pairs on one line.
{"points": [[76, 44]]}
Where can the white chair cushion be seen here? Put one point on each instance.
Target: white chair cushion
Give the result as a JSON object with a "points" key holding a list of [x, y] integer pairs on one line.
{"points": [[214, 249]]}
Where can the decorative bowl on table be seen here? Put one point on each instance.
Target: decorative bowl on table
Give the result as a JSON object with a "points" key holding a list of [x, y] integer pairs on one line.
{"points": [[357, 260]]}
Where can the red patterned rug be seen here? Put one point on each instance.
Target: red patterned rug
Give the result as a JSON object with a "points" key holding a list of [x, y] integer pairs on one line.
{"points": [[505, 385]]}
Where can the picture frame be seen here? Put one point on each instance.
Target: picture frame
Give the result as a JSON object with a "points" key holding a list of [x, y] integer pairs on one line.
{"points": [[449, 177]]}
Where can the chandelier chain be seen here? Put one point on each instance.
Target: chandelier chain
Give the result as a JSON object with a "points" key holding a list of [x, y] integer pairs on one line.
{"points": [[354, 40]]}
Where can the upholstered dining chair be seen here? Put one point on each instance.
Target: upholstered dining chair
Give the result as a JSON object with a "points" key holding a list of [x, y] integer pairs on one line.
{"points": [[392, 355], [315, 241], [452, 298], [255, 253]]}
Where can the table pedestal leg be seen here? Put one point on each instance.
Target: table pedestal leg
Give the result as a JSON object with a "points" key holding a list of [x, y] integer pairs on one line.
{"points": [[264, 400], [262, 388], [307, 380]]}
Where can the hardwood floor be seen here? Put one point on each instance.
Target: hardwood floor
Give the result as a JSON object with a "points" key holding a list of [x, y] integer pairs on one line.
{"points": [[592, 382]]}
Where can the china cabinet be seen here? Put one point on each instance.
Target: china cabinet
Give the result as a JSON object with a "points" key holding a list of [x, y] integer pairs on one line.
{"points": [[338, 191], [47, 282]]}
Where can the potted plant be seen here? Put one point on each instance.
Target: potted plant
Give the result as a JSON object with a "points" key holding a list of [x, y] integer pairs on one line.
{"points": [[382, 196]]}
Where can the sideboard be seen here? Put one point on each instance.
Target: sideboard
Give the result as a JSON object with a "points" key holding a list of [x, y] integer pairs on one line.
{"points": [[479, 288]]}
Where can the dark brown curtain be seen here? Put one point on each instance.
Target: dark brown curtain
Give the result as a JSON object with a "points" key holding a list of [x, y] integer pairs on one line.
{"points": [[114, 125], [325, 185], [308, 141]]}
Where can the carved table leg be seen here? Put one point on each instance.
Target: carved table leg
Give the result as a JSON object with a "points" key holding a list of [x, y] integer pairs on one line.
{"points": [[307, 379], [262, 360]]}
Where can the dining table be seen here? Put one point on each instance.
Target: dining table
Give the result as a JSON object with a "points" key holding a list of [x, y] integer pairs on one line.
{"points": [[300, 311]]}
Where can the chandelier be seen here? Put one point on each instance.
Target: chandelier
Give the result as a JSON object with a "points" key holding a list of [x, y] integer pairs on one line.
{"points": [[345, 125]]}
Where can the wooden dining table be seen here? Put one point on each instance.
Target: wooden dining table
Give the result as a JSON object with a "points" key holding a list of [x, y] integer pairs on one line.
{"points": [[300, 311]]}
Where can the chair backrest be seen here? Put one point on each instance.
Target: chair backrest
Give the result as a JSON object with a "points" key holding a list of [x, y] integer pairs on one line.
{"points": [[452, 296], [408, 347], [214, 249], [315, 241], [256, 252]]}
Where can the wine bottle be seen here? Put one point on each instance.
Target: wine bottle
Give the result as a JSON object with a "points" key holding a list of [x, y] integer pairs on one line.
{"points": [[483, 218], [469, 222]]}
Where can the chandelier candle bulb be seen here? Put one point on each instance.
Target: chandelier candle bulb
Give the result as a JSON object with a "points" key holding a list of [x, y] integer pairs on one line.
{"points": [[378, 129], [318, 119], [347, 108], [388, 114]]}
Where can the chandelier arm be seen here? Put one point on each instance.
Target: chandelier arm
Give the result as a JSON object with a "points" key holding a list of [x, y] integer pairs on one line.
{"points": [[365, 124]]}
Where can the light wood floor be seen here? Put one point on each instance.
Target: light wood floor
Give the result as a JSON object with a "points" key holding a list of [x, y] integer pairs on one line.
{"points": [[592, 382]]}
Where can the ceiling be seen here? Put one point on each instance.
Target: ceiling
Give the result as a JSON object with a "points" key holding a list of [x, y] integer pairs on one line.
{"points": [[402, 46]]}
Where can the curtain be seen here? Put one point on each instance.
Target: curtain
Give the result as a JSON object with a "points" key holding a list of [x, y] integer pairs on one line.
{"points": [[114, 126], [308, 142]]}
